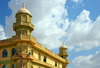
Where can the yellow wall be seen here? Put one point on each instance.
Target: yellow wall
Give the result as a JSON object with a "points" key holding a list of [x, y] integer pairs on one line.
{"points": [[50, 61], [24, 47], [36, 54]]}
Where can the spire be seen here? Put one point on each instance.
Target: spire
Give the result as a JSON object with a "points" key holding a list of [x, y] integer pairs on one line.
{"points": [[23, 5], [62, 43]]}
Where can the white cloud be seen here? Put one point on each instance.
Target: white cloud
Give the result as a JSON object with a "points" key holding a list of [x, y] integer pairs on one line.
{"points": [[2, 33], [47, 28], [91, 61], [77, 0], [83, 34]]}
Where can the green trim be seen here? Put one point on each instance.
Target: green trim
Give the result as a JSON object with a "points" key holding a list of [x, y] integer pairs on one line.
{"points": [[20, 36], [11, 65], [42, 62], [27, 32], [24, 27], [7, 61], [52, 65], [61, 58], [12, 38], [30, 37], [21, 47], [29, 24], [42, 47], [6, 46], [27, 18], [21, 23], [21, 30], [27, 48], [22, 13], [8, 40], [27, 63], [53, 54], [16, 64]]}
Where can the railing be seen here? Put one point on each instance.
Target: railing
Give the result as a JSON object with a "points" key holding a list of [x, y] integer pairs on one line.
{"points": [[39, 45], [23, 56], [17, 37], [33, 39], [23, 23], [26, 37], [4, 41]]}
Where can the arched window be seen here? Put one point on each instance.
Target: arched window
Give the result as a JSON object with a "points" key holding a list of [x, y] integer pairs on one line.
{"points": [[5, 53], [13, 66], [13, 51], [5, 66]]}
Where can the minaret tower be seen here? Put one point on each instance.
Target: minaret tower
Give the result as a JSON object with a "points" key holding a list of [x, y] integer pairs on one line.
{"points": [[23, 24], [23, 28], [63, 53]]}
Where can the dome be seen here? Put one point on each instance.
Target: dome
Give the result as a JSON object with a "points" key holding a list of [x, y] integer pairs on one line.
{"points": [[23, 9], [63, 46]]}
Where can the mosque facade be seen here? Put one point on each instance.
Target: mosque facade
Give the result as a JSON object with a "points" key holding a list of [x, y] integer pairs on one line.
{"points": [[23, 51]]}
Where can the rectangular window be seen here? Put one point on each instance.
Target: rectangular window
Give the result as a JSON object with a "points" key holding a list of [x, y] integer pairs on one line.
{"points": [[44, 59], [56, 64], [62, 56]]}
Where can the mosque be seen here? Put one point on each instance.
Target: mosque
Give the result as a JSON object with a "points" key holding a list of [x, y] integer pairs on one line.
{"points": [[23, 51]]}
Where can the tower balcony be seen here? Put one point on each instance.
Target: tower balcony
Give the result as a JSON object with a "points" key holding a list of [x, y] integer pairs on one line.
{"points": [[23, 24], [24, 56], [64, 54]]}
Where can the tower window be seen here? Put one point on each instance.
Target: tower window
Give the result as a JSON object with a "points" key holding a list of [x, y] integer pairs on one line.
{"points": [[5, 66], [62, 56], [13, 66], [55, 63], [13, 51], [44, 59], [5, 53]]}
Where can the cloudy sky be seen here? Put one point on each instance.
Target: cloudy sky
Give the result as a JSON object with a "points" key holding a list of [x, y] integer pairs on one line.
{"points": [[76, 22]]}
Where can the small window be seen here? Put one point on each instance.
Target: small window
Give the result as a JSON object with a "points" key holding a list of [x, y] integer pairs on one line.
{"points": [[39, 56], [13, 51], [44, 59], [5, 66], [55, 63], [62, 56], [5, 53], [13, 66]]}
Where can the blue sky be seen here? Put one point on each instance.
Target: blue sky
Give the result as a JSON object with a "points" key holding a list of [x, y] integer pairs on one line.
{"points": [[76, 22]]}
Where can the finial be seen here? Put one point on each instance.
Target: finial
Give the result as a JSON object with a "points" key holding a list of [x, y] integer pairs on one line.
{"points": [[62, 43], [23, 5]]}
